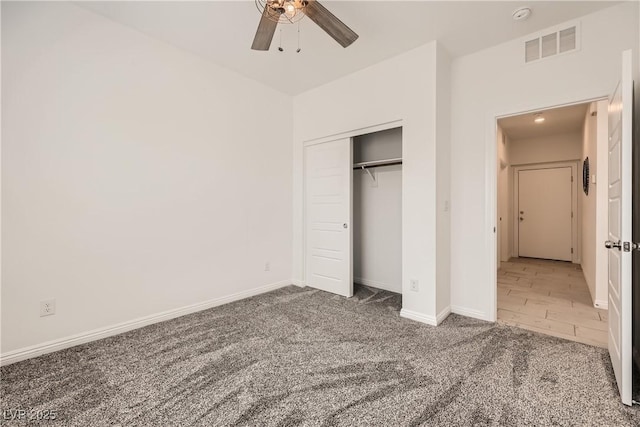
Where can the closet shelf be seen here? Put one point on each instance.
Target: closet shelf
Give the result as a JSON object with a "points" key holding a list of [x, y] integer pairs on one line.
{"points": [[375, 163]]}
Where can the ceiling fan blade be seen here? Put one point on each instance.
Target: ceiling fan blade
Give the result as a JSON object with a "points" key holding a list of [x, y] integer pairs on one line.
{"points": [[330, 23], [266, 30]]}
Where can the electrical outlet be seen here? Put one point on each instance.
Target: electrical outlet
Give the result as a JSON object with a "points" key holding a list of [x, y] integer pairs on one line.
{"points": [[414, 285], [267, 266], [48, 307]]}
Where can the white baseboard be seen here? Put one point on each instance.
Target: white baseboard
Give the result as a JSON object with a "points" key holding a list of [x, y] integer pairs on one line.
{"points": [[96, 334], [299, 283], [419, 317], [378, 285], [476, 314], [602, 304], [443, 314]]}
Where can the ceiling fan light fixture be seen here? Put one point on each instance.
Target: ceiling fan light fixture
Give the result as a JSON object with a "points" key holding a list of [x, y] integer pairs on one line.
{"points": [[282, 11], [290, 9]]}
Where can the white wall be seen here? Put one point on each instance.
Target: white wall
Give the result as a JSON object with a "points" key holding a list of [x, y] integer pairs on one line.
{"points": [[553, 148], [136, 178], [594, 205], [601, 298], [401, 88], [504, 198], [495, 82], [588, 202]]}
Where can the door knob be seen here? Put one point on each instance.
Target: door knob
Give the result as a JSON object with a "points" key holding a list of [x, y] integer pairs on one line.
{"points": [[344, 225], [610, 245]]}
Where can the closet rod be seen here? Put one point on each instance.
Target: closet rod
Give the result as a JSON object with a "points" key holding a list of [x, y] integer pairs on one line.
{"points": [[375, 163]]}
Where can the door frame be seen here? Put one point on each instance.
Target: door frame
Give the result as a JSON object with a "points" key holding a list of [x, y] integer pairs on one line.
{"points": [[491, 187], [575, 207], [342, 135]]}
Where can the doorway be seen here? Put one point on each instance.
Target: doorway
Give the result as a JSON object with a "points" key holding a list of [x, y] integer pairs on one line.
{"points": [[547, 220]]}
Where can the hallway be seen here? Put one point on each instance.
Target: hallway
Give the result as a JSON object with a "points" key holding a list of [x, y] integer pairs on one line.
{"points": [[550, 297]]}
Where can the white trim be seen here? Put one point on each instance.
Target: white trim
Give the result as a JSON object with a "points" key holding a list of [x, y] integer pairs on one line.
{"points": [[379, 285], [491, 222], [467, 312], [601, 304], [576, 232], [419, 317], [443, 314], [299, 283], [96, 334], [354, 132], [537, 108]]}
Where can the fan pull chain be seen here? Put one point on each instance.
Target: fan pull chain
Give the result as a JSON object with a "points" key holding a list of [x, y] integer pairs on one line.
{"points": [[280, 47], [299, 49]]}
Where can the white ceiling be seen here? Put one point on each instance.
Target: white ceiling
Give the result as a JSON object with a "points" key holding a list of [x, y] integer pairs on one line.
{"points": [[557, 120], [222, 32]]}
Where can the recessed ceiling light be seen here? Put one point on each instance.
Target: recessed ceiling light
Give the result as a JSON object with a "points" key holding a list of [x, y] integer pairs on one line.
{"points": [[538, 118], [521, 14]]}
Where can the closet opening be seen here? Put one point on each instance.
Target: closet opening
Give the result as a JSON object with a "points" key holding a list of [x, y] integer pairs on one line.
{"points": [[377, 215]]}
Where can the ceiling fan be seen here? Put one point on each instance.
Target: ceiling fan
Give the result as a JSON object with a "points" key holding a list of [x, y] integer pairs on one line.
{"points": [[289, 11]]}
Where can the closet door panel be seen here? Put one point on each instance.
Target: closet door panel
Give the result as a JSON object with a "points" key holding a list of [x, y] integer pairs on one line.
{"points": [[328, 216]]}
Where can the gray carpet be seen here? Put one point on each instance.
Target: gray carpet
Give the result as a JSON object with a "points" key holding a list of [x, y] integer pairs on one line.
{"points": [[305, 357]]}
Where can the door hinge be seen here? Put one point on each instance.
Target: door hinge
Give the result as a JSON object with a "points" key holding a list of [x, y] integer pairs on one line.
{"points": [[571, 214], [571, 250], [571, 178], [630, 246]]}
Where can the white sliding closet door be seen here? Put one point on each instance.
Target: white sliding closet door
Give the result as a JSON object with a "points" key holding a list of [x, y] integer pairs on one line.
{"points": [[328, 249]]}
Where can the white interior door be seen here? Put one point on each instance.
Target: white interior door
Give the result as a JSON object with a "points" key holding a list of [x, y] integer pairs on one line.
{"points": [[620, 129], [328, 176], [544, 208]]}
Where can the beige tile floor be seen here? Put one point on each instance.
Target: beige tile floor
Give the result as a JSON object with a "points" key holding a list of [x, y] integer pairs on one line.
{"points": [[550, 297]]}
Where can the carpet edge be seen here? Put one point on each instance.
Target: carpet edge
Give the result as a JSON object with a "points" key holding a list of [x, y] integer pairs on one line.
{"points": [[36, 350]]}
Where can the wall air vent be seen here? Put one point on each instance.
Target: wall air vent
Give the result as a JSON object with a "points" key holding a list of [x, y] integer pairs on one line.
{"points": [[532, 50], [567, 40], [551, 43]]}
